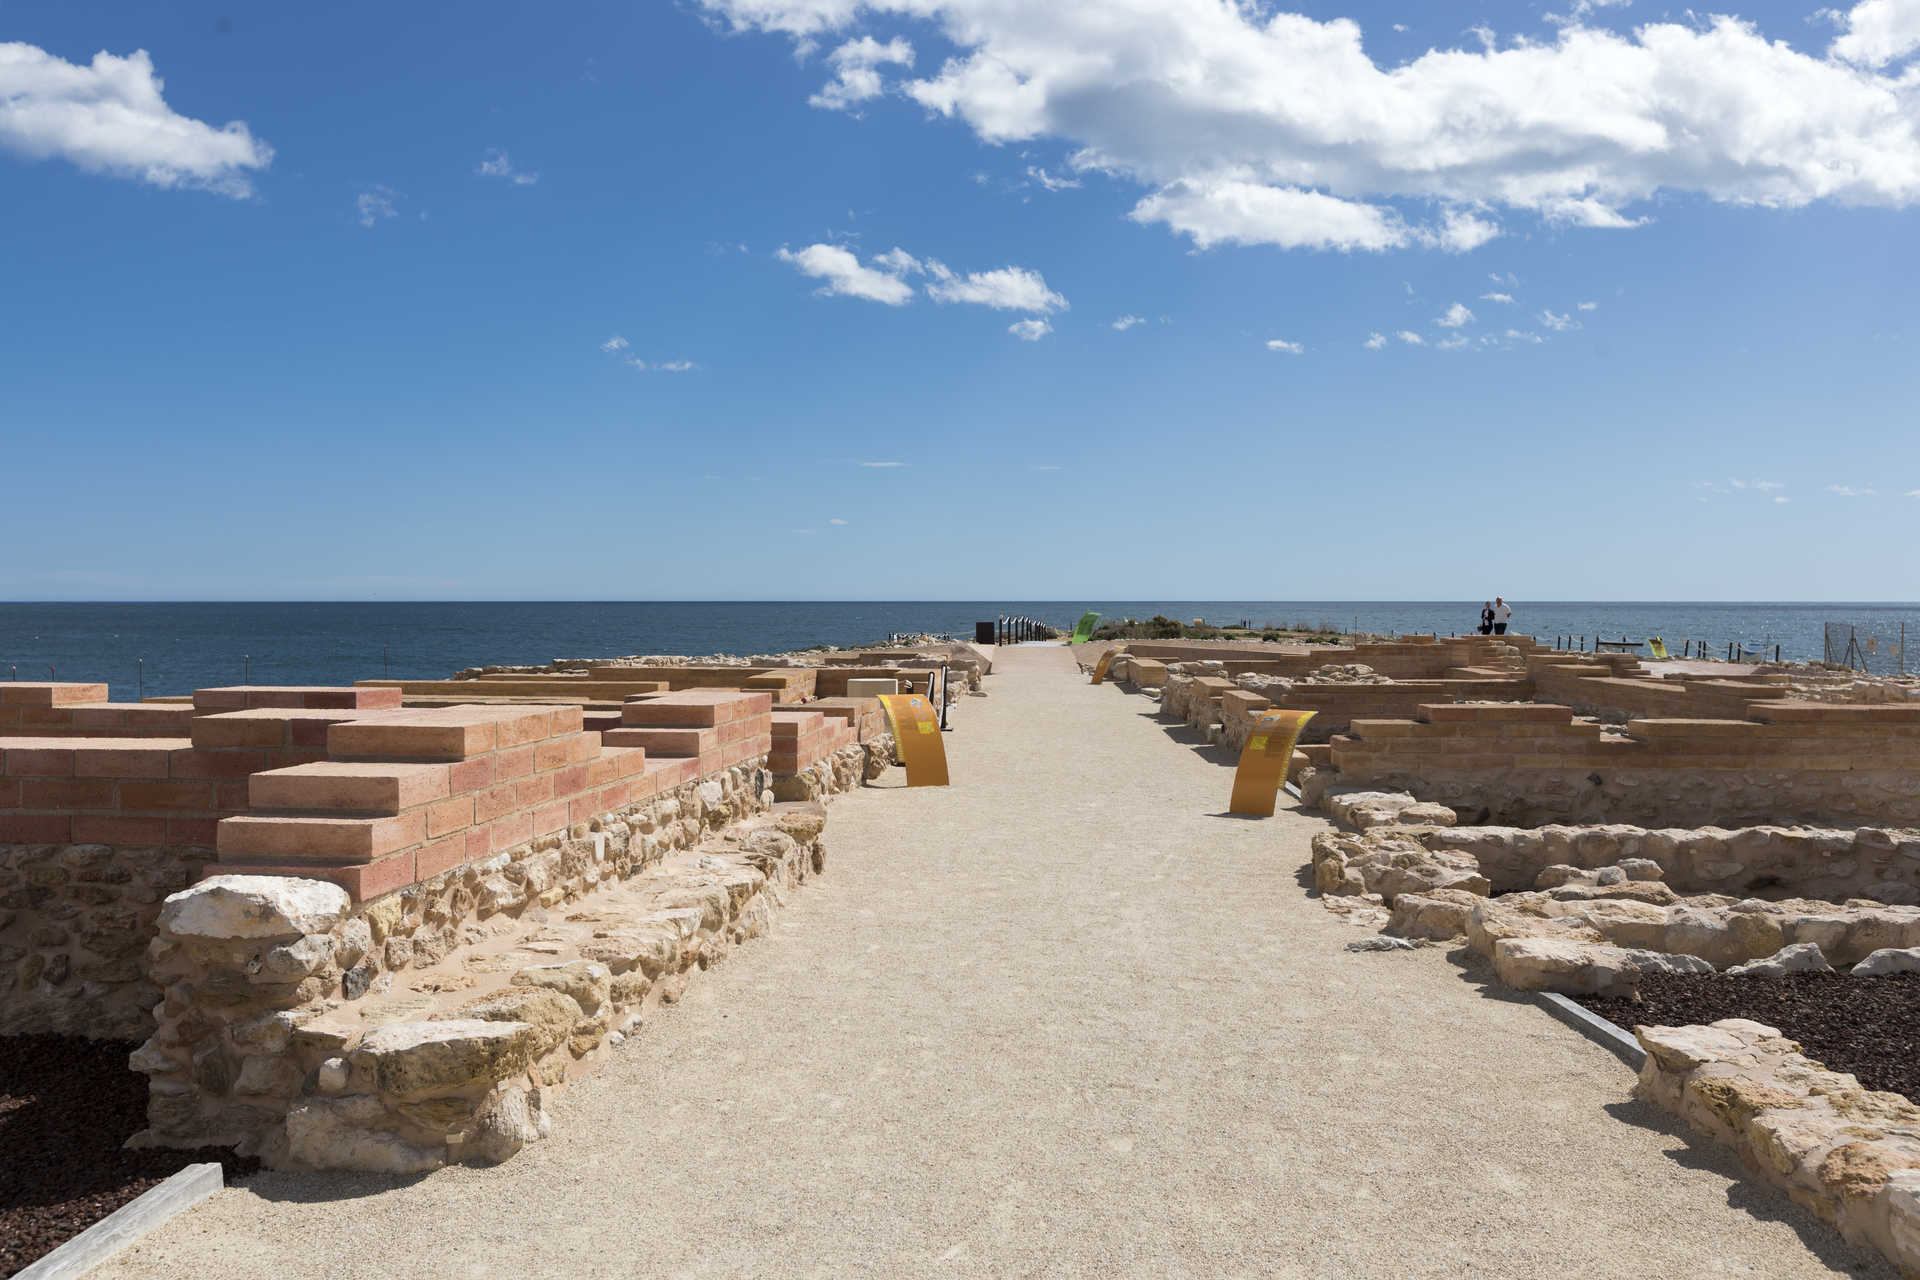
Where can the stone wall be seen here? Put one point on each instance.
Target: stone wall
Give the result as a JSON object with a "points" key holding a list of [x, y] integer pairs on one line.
{"points": [[75, 920], [1749, 862], [1533, 764], [1850, 1155], [319, 1033]]}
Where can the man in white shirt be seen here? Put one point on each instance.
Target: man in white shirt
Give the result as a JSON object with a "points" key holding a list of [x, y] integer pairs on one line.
{"points": [[1500, 615]]}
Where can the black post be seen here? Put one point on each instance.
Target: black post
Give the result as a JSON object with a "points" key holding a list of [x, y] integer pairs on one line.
{"points": [[383, 661], [139, 679], [246, 669]]}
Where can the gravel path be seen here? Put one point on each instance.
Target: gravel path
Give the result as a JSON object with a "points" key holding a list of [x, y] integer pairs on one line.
{"points": [[1061, 1018]]}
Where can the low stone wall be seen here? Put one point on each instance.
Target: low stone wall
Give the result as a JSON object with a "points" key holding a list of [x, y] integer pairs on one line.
{"points": [[842, 771], [1746, 862], [75, 920], [422, 1028], [1849, 1155]]}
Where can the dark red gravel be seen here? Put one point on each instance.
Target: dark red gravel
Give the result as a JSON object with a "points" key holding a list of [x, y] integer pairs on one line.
{"points": [[66, 1105], [1867, 1026]]}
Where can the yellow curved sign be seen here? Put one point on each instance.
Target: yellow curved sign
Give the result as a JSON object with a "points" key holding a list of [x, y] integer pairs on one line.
{"points": [[916, 735], [1264, 761], [1106, 660]]}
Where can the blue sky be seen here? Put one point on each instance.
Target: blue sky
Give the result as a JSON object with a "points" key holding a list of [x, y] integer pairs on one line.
{"points": [[383, 336]]}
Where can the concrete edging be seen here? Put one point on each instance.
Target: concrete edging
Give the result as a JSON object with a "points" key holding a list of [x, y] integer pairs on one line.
{"points": [[128, 1223], [1615, 1040]]}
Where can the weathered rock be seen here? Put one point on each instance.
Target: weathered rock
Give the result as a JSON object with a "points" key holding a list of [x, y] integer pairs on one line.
{"points": [[584, 980], [552, 1014], [1886, 961], [1801, 957], [336, 1133], [412, 1060], [1577, 968], [254, 907]]}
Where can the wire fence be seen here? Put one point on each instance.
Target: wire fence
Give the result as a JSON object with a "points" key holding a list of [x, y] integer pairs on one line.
{"points": [[1878, 652]]}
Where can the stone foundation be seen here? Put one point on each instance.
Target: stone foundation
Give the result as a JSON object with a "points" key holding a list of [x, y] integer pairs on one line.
{"points": [[431, 1026], [1849, 1155]]}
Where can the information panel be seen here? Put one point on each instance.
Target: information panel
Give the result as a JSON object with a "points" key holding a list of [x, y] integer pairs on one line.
{"points": [[1264, 760], [916, 734]]}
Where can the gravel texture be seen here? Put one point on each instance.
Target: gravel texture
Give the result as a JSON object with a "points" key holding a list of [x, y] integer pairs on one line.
{"points": [[66, 1105], [1867, 1026], [1067, 1018]]}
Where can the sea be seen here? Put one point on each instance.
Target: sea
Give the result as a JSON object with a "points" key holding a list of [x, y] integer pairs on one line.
{"points": [[159, 649]]}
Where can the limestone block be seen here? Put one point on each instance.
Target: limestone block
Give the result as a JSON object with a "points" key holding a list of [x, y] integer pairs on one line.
{"points": [[336, 1133], [1577, 968], [552, 1014], [225, 907], [1888, 960], [1439, 915], [1801, 957], [414, 1060], [584, 980]]}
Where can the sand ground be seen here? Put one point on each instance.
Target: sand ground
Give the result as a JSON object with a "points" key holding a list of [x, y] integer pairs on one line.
{"points": [[1062, 1018]]}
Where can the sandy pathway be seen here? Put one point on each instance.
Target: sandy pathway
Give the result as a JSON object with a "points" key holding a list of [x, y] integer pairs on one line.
{"points": [[1058, 1019]]}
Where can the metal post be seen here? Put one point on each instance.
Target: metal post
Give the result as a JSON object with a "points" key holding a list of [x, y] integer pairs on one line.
{"points": [[139, 679], [383, 661], [246, 669]]}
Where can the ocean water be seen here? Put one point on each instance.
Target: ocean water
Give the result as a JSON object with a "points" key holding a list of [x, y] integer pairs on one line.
{"points": [[176, 648]]}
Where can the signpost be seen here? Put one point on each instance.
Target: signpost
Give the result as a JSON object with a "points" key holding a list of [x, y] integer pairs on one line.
{"points": [[916, 735], [1264, 761]]}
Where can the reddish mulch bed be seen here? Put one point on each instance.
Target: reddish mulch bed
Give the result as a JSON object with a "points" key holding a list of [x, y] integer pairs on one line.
{"points": [[66, 1105], [1867, 1026]]}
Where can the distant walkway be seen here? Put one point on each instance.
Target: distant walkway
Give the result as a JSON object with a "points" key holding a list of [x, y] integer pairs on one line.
{"points": [[1059, 1019]]}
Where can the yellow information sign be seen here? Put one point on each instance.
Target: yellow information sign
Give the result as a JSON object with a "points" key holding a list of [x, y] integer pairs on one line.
{"points": [[1106, 660], [1264, 761], [916, 734]]}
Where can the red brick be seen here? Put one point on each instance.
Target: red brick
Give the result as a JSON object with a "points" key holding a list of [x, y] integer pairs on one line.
{"points": [[362, 881], [166, 795], [552, 754], [602, 771], [192, 762], [508, 832], [123, 761], [429, 860], [549, 818], [36, 828], [39, 762], [99, 828], [298, 839], [571, 780], [495, 803], [478, 843], [567, 720], [49, 693], [536, 790], [470, 775], [10, 793], [67, 793], [199, 832], [517, 763], [447, 816]]}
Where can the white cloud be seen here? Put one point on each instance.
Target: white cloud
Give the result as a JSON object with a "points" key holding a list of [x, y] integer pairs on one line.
{"points": [[1456, 315], [1876, 32], [1518, 335], [1558, 322], [1587, 306], [615, 343], [846, 277], [1496, 297], [499, 165], [676, 366], [1248, 125], [1127, 322], [1005, 289], [1783, 500], [1030, 330], [1848, 491], [1768, 486], [1051, 182], [856, 66], [108, 117], [1281, 344], [374, 206], [836, 521], [883, 464], [1375, 341], [1411, 338], [1454, 343]]}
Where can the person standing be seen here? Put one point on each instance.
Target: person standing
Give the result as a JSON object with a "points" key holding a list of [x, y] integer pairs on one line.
{"points": [[1500, 616], [1486, 618]]}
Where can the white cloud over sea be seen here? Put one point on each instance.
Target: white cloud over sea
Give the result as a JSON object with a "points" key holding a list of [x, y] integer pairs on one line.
{"points": [[1245, 124]]}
